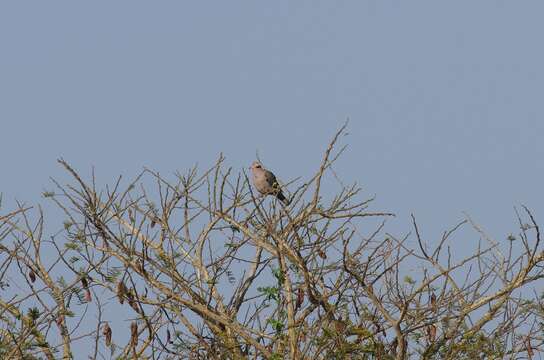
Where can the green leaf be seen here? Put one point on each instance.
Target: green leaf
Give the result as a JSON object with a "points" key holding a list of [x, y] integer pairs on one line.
{"points": [[72, 246], [276, 325], [270, 292], [278, 274], [34, 313]]}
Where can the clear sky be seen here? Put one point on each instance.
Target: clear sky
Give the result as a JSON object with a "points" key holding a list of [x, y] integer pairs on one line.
{"points": [[445, 99]]}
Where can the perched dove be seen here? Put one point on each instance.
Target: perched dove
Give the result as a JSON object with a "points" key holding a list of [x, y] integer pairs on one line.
{"points": [[265, 182]]}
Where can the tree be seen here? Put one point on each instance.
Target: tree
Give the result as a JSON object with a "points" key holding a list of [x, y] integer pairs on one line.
{"points": [[202, 268]]}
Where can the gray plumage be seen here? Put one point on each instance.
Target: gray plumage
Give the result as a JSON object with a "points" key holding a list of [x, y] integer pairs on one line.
{"points": [[265, 182]]}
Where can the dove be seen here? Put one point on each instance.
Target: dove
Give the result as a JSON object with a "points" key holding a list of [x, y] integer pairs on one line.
{"points": [[265, 182]]}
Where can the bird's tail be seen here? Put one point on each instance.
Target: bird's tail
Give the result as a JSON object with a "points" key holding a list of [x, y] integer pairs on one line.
{"points": [[283, 199]]}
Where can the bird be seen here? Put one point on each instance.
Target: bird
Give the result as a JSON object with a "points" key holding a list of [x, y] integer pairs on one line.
{"points": [[265, 182]]}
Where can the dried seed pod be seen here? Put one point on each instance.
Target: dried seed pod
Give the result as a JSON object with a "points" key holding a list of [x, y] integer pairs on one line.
{"points": [[106, 331], [339, 326], [121, 292], [134, 305], [434, 307], [300, 297], [168, 337], [134, 334], [32, 276], [142, 267], [529, 347], [431, 332], [59, 320], [88, 297], [321, 254], [302, 336]]}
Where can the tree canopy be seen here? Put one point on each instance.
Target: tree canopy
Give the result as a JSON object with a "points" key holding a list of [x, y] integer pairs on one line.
{"points": [[202, 267]]}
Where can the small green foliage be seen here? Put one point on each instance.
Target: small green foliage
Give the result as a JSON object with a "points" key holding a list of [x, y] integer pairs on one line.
{"points": [[72, 246], [409, 280], [278, 274], [476, 346], [270, 292], [33, 313], [42, 344], [67, 224], [361, 332], [62, 282], [48, 194], [112, 275], [511, 237], [80, 236], [276, 325]]}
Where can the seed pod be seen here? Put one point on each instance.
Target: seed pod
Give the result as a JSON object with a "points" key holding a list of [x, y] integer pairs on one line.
{"points": [[303, 336], [60, 320], [339, 326], [134, 305], [121, 292], [32, 276], [431, 333], [88, 297], [321, 254], [434, 307], [300, 297], [134, 334], [529, 347], [106, 331]]}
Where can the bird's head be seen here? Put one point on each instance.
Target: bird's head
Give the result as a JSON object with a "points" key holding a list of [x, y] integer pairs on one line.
{"points": [[256, 165]]}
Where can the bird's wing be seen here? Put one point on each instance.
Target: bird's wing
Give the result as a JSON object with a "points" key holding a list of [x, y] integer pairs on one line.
{"points": [[271, 179]]}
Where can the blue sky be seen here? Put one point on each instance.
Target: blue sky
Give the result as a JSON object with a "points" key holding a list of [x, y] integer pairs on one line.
{"points": [[444, 98]]}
